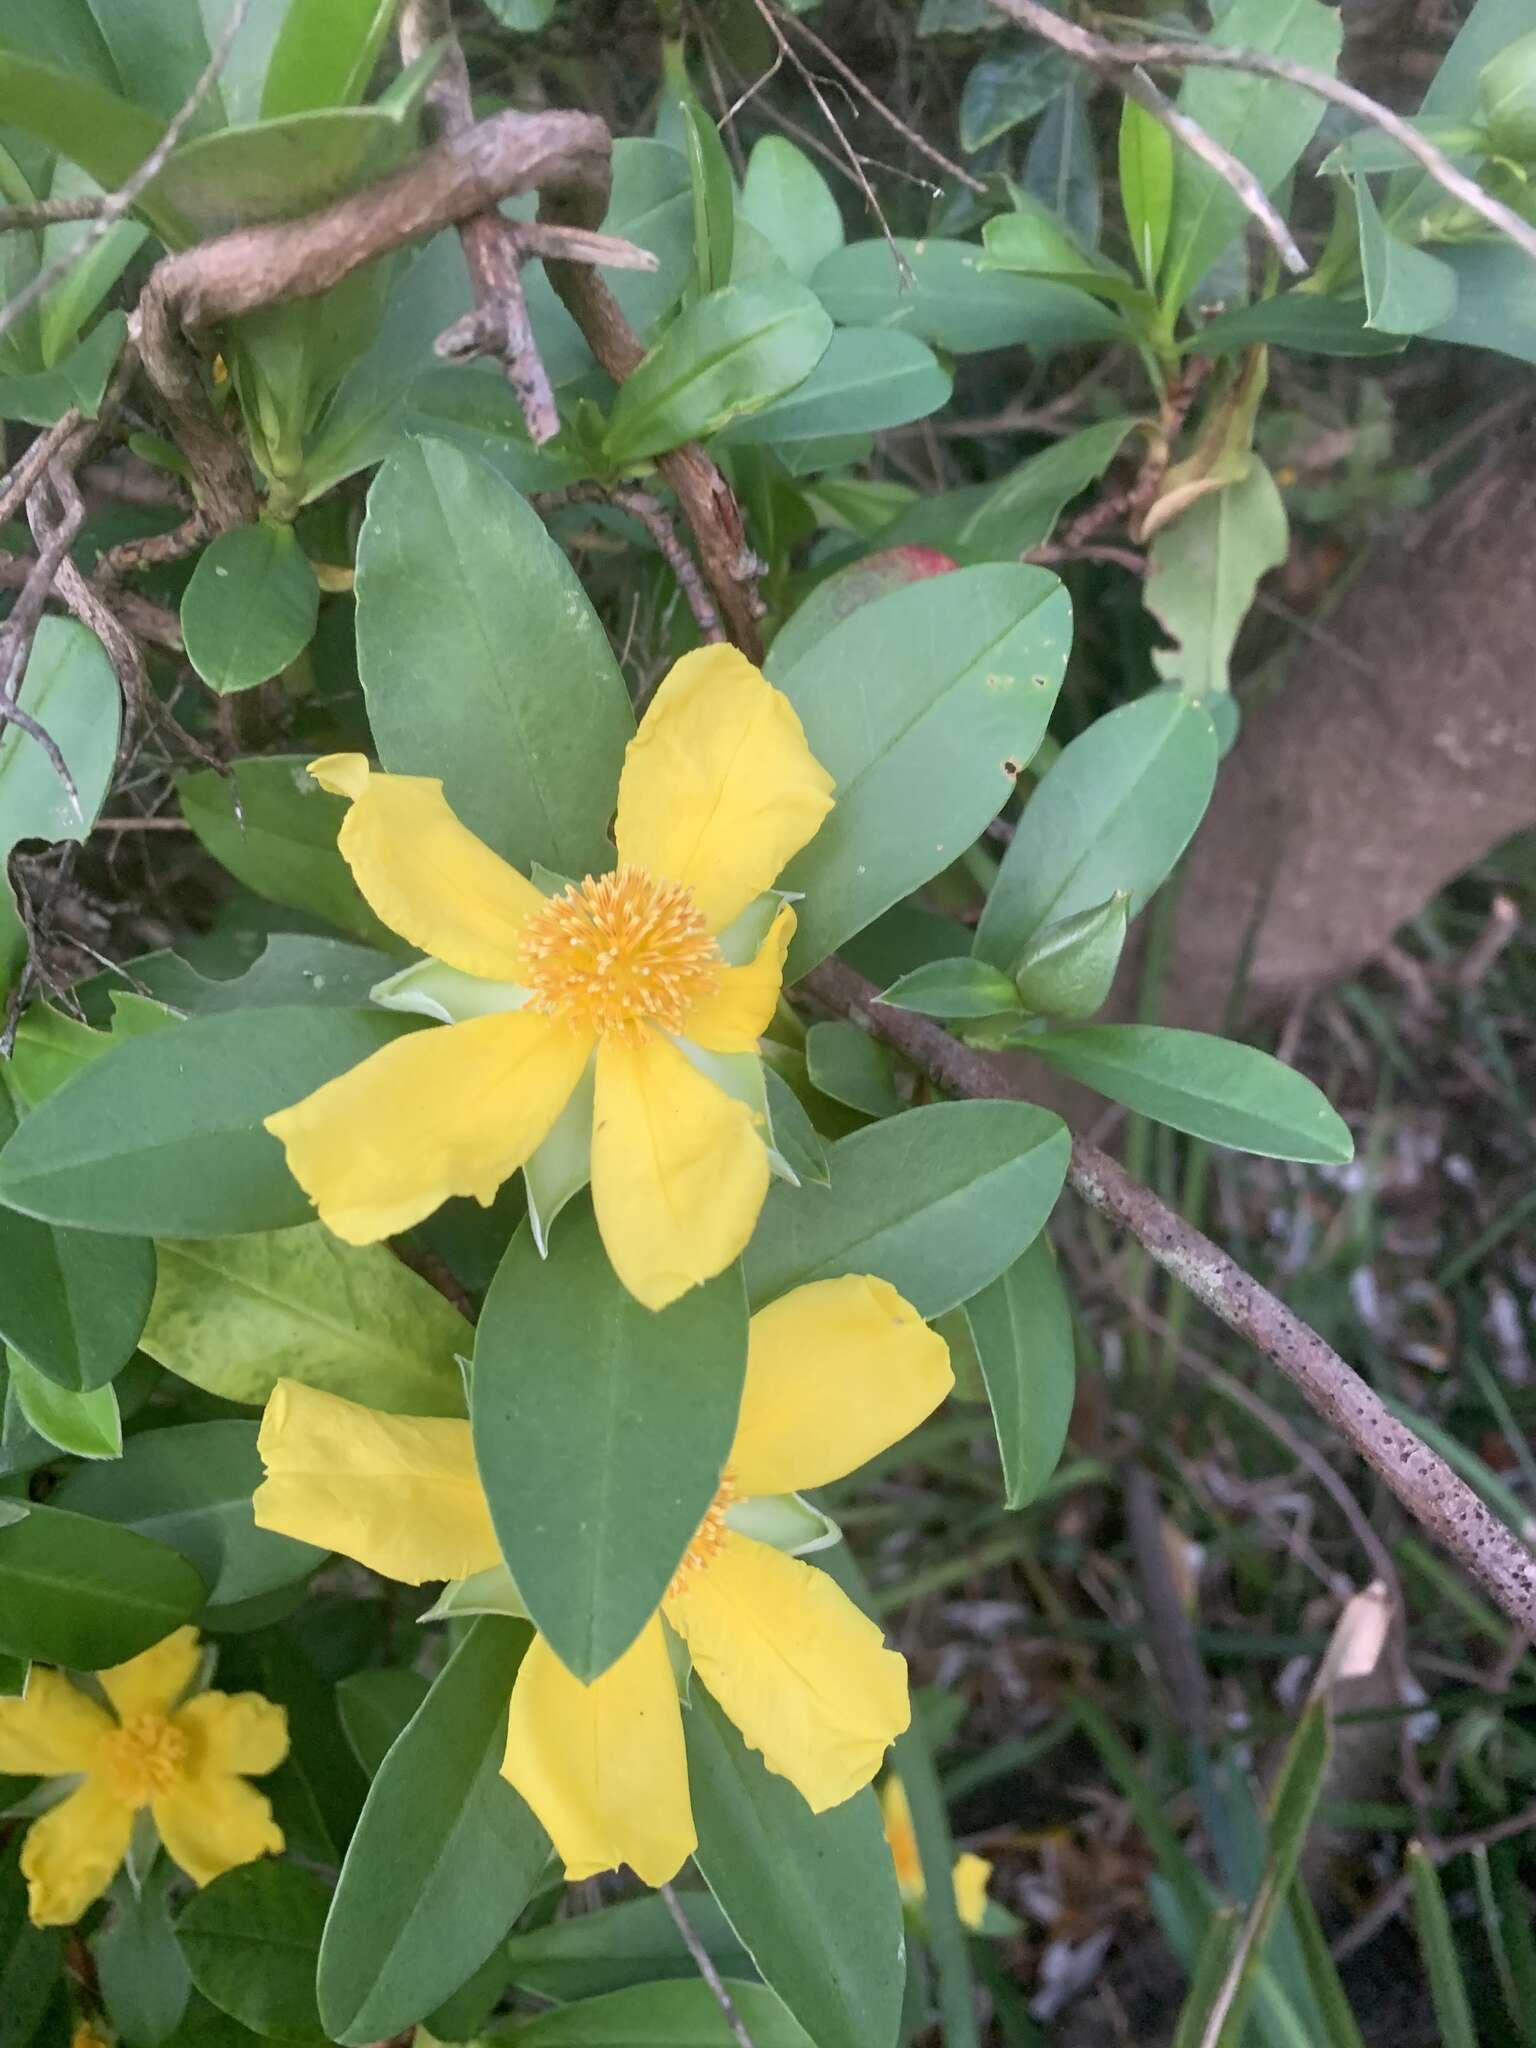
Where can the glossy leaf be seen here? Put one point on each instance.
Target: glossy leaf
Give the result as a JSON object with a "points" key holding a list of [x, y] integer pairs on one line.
{"points": [[1202, 571], [1010, 84], [1303, 321], [78, 380], [139, 1965], [324, 54], [683, 2015], [923, 706], [1146, 185], [1032, 241], [869, 378], [87, 121], [944, 298], [601, 1429], [1061, 167], [71, 691], [250, 607], [271, 825], [1210, 1087], [845, 590], [87, 1594], [1407, 290], [732, 352], [1068, 968], [85, 1425], [953, 988], [1266, 124], [938, 1201], [791, 204], [235, 1314], [250, 1940], [812, 1897], [713, 192], [273, 169], [1114, 811], [73, 1302], [1022, 1329], [465, 610], [850, 1066], [189, 1487], [374, 1707], [163, 1134], [445, 1854], [634, 1942]]}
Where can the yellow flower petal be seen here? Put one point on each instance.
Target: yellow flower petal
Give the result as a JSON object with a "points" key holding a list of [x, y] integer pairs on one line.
{"points": [[425, 874], [233, 1731], [837, 1371], [737, 1015], [971, 1874], [72, 1853], [399, 1493], [803, 1674], [679, 1169], [603, 1765], [719, 788], [154, 1681], [452, 1110], [902, 1837], [52, 1730], [211, 1820]]}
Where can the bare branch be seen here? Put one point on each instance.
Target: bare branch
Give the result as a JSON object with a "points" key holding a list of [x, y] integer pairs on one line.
{"points": [[704, 1963], [44, 213], [657, 521], [1422, 1481]]}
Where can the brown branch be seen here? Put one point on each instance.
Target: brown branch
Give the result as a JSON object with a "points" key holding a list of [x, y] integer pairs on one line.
{"points": [[1421, 1480], [1119, 60], [45, 213], [657, 521], [704, 1963]]}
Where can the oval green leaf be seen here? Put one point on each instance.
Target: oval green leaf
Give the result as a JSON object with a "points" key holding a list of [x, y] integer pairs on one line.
{"points": [[71, 691], [945, 299], [685, 2015], [953, 988], [251, 1939], [791, 205], [87, 1594], [85, 1425], [602, 1429], [483, 662], [250, 607], [635, 1942], [1231, 1094], [869, 378], [1022, 1329], [938, 1201]]}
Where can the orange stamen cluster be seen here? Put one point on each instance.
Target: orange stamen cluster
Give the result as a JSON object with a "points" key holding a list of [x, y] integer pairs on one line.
{"points": [[707, 1538], [143, 1757], [617, 952]]}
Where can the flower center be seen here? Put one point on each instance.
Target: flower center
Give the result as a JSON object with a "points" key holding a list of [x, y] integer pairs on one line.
{"points": [[616, 952], [144, 1756], [707, 1538]]}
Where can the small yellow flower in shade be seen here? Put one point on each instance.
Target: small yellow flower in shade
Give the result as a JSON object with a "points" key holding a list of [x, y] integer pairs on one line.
{"points": [[970, 1872], [837, 1371], [88, 2034], [625, 980], [186, 1759]]}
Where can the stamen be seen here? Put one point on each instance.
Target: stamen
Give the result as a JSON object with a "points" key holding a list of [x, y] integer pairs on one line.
{"points": [[707, 1538], [144, 1756], [616, 952]]}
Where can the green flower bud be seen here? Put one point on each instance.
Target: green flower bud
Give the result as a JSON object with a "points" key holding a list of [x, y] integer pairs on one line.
{"points": [[1508, 93], [1067, 967]]}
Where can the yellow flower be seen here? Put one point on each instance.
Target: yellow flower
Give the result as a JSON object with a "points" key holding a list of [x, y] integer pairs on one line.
{"points": [[180, 1757], [88, 2035], [629, 975], [970, 1873], [836, 1372]]}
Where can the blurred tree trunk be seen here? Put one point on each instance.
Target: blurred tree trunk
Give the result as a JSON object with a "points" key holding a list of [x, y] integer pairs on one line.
{"points": [[1401, 749]]}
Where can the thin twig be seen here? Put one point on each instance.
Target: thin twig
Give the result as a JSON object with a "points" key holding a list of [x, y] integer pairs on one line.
{"points": [[1120, 59], [657, 521], [704, 1962], [1426, 1486], [118, 203], [45, 213], [1389, 1903], [15, 486]]}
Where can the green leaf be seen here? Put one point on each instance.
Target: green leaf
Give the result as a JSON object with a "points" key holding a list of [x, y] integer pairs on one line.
{"points": [[1202, 571], [791, 205], [459, 680], [139, 1965], [164, 1134], [274, 828], [251, 1939], [1455, 91], [714, 195], [597, 1479], [1495, 299], [635, 1942], [235, 1314], [445, 1855], [374, 1707], [1012, 82], [923, 706], [273, 170], [938, 1201], [1303, 321], [1032, 241], [70, 690], [1022, 1329], [86, 1425], [945, 299], [95, 263], [869, 378], [190, 1487], [1370, 149], [79, 380], [1264, 123], [250, 607], [812, 1897], [953, 988], [684, 2015], [151, 51], [731, 352], [1146, 185], [1407, 291], [847, 1064], [1210, 1087], [87, 1594], [1061, 165], [324, 54], [1437, 1945], [92, 125], [795, 1138], [1068, 968]]}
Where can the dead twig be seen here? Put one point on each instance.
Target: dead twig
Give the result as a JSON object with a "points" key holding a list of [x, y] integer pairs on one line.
{"points": [[1390, 1902], [704, 1963], [45, 213], [657, 521], [1421, 1480]]}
